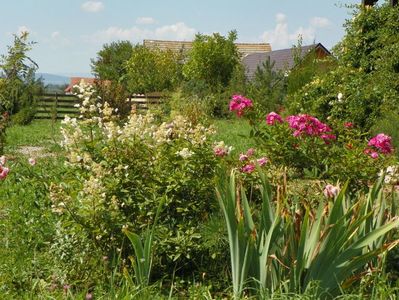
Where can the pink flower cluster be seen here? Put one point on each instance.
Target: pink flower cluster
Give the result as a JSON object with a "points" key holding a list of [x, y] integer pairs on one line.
{"points": [[273, 118], [250, 165], [382, 142], [221, 150], [3, 170], [239, 103], [311, 126]]}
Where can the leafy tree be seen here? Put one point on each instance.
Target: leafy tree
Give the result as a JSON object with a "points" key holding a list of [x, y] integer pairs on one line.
{"points": [[364, 86], [110, 63], [212, 60], [110, 68], [268, 87], [152, 70], [18, 71]]}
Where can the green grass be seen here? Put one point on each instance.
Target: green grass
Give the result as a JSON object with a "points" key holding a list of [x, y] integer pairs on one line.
{"points": [[234, 132], [40, 133]]}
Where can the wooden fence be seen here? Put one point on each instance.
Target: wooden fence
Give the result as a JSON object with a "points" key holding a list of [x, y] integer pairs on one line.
{"points": [[56, 106]]}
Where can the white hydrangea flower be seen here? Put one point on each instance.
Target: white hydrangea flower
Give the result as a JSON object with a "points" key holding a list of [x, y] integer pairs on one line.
{"points": [[185, 153]]}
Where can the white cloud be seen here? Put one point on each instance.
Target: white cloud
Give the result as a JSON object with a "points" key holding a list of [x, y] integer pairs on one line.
{"points": [[92, 6], [280, 37], [145, 21], [320, 22], [178, 31], [57, 40], [55, 34]]}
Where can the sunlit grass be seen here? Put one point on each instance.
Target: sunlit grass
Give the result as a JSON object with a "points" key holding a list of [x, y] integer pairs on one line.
{"points": [[234, 132]]}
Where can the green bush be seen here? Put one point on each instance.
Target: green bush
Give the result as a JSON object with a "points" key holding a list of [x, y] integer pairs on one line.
{"points": [[117, 174], [389, 124], [24, 117], [364, 86]]}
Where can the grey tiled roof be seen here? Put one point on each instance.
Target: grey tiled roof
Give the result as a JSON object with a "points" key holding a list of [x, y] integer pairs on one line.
{"points": [[283, 59]]}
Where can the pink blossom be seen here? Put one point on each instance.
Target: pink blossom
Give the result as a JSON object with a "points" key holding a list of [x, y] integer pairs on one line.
{"points": [[220, 152], [4, 172], [243, 157], [262, 161], [330, 191], [328, 137], [382, 142], [348, 124], [32, 161], [308, 125], [250, 151], [239, 103], [249, 168], [374, 155], [273, 118], [89, 296]]}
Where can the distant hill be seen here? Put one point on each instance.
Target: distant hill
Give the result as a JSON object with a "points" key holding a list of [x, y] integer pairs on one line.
{"points": [[53, 79]]}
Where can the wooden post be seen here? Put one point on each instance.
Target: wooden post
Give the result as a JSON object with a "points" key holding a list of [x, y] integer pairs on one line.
{"points": [[56, 107]]}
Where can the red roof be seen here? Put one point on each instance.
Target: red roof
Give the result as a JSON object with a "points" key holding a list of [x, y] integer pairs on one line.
{"points": [[77, 80]]}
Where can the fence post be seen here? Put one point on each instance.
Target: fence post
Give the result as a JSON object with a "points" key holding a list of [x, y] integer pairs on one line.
{"points": [[56, 106]]}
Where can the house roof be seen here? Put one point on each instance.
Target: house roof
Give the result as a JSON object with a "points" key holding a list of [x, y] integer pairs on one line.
{"points": [[76, 80], [283, 59], [243, 48]]}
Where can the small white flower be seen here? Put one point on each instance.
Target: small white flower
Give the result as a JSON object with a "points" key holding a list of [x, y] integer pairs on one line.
{"points": [[185, 153], [339, 97]]}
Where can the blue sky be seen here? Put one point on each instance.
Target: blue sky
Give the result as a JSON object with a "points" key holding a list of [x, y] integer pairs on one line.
{"points": [[70, 32]]}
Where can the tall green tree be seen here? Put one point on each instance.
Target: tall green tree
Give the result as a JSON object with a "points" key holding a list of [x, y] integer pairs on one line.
{"points": [[18, 71], [110, 63], [152, 70], [212, 60], [268, 87]]}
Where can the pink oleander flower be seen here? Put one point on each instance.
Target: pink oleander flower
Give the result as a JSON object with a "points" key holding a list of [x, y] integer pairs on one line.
{"points": [[273, 118], [243, 157], [220, 149], [89, 296], [374, 155], [370, 152], [249, 168], [250, 152], [382, 142], [3, 172], [348, 124], [328, 137], [32, 161], [239, 103], [330, 191], [262, 161], [307, 125]]}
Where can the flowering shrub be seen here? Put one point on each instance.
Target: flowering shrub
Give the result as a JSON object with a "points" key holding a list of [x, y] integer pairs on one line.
{"points": [[273, 118], [382, 143], [120, 172], [239, 104], [317, 150], [3, 169]]}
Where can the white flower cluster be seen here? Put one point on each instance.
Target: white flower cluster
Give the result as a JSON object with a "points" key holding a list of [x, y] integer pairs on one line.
{"points": [[391, 175], [96, 141]]}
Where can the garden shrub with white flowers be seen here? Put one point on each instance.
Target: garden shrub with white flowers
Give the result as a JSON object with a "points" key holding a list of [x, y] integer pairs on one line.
{"points": [[118, 173]]}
